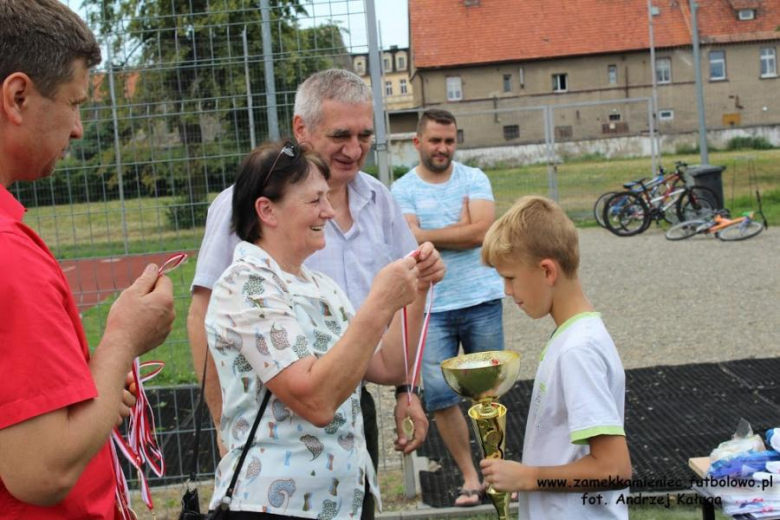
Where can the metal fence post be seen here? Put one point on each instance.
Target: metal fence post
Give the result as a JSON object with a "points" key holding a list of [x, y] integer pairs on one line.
{"points": [[703, 151], [654, 100], [249, 104], [374, 64], [552, 168], [117, 146], [268, 66], [651, 111]]}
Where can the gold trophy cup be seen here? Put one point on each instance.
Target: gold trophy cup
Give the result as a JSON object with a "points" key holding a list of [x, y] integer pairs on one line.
{"points": [[484, 377]]}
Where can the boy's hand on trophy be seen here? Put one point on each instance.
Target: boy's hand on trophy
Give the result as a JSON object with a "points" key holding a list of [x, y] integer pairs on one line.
{"points": [[507, 475]]}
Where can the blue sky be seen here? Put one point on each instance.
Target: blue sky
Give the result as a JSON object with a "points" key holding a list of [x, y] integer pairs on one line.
{"points": [[392, 16]]}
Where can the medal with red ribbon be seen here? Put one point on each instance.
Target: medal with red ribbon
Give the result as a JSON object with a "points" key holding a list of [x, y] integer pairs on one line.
{"points": [[408, 425], [141, 446]]}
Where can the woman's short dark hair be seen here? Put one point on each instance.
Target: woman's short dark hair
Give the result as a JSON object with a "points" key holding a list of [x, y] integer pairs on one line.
{"points": [[258, 176]]}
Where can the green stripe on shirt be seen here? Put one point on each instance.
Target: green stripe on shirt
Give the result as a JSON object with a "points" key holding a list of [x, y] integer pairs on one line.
{"points": [[566, 324], [582, 436]]}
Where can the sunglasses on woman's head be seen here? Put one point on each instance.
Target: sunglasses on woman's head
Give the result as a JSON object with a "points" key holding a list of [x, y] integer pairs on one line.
{"points": [[290, 150]]}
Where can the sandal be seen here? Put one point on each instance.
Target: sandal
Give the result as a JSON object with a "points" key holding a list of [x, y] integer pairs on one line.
{"points": [[469, 493]]}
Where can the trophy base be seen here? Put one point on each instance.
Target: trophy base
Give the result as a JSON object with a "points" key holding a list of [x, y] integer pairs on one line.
{"points": [[500, 502]]}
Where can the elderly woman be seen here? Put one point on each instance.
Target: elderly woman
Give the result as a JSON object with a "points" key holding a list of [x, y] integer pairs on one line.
{"points": [[274, 325]]}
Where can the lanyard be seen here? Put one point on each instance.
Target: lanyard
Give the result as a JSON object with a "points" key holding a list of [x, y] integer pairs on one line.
{"points": [[141, 446], [420, 345]]}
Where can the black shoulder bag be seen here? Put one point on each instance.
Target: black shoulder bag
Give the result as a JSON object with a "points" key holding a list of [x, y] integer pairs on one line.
{"points": [[190, 502]]}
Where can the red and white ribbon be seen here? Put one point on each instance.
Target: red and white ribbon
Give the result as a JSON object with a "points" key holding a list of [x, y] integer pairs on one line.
{"points": [[421, 343], [172, 263], [141, 446]]}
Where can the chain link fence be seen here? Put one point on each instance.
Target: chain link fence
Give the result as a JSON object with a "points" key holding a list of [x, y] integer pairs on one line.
{"points": [[185, 90]]}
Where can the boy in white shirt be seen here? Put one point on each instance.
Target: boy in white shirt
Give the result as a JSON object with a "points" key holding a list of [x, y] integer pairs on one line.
{"points": [[575, 457]]}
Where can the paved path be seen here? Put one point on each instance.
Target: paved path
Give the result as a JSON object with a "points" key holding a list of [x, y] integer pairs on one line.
{"points": [[94, 279], [668, 303]]}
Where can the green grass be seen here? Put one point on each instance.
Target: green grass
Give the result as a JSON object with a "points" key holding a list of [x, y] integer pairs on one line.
{"points": [[581, 183], [770, 202], [96, 229]]}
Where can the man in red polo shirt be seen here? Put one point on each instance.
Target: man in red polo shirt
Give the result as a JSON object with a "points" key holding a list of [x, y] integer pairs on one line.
{"points": [[58, 404]]}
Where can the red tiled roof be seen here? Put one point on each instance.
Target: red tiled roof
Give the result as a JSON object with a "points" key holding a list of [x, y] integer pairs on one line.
{"points": [[446, 33], [745, 4], [131, 84]]}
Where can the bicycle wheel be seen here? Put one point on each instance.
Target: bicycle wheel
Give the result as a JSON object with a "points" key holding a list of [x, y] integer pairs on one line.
{"points": [[626, 214], [684, 230], [697, 202], [742, 231], [598, 208], [669, 204]]}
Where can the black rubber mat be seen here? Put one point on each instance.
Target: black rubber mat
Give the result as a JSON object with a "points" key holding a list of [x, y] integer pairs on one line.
{"points": [[173, 416], [673, 413]]}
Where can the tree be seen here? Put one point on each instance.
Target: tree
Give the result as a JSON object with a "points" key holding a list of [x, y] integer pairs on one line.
{"points": [[190, 93]]}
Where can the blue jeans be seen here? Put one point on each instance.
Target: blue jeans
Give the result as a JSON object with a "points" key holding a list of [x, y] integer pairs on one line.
{"points": [[478, 329]]}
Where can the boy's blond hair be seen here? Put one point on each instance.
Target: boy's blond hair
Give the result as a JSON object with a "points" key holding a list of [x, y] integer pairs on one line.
{"points": [[533, 229]]}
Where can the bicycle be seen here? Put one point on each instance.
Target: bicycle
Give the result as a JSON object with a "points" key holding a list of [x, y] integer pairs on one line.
{"points": [[655, 185], [631, 212], [721, 226]]}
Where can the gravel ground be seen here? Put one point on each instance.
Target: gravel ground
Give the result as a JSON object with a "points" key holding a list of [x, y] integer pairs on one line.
{"points": [[670, 303], [665, 303]]}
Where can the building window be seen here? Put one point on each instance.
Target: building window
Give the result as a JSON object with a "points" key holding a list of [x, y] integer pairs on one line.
{"points": [[717, 65], [620, 127], [563, 132], [665, 115], [663, 70], [404, 89], [387, 63], [614, 117], [612, 74], [746, 14], [560, 83], [454, 90], [400, 62], [388, 88], [768, 62], [507, 83], [460, 136], [511, 132]]}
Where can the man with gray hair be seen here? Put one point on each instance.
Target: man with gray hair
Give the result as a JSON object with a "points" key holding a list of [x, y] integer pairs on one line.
{"points": [[334, 115]]}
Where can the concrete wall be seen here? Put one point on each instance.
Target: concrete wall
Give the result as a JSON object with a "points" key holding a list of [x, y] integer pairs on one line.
{"points": [[404, 154]]}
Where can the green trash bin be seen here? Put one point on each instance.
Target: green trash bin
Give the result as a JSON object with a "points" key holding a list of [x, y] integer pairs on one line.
{"points": [[709, 176]]}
